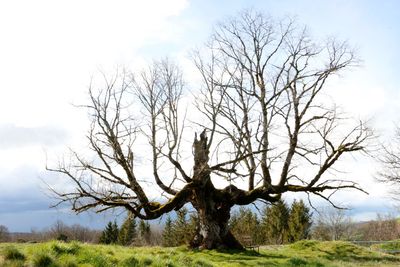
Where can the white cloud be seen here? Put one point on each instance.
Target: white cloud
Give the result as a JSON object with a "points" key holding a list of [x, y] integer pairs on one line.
{"points": [[50, 48], [12, 136], [48, 52]]}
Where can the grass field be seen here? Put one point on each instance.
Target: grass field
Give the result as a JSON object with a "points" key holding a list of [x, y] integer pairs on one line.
{"points": [[304, 253]]}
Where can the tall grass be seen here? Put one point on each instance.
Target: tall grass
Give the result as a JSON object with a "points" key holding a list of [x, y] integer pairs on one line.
{"points": [[304, 253], [12, 253], [43, 259]]}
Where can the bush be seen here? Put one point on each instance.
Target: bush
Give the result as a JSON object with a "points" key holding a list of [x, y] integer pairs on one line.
{"points": [[146, 262], [59, 248], [12, 253], [42, 260], [62, 237], [130, 262]]}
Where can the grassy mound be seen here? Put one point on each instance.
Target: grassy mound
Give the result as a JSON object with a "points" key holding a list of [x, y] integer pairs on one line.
{"points": [[332, 249], [393, 246], [304, 253]]}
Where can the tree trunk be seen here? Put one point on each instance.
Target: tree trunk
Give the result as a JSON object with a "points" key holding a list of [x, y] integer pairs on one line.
{"points": [[213, 210], [213, 223], [214, 233]]}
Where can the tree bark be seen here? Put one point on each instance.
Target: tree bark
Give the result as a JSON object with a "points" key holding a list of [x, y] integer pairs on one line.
{"points": [[213, 211], [213, 232], [213, 221]]}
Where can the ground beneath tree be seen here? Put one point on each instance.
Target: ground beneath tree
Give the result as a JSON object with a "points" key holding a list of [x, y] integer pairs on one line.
{"points": [[304, 253]]}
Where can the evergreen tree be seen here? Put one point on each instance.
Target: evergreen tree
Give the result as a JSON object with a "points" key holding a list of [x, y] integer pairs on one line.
{"points": [[244, 223], [144, 232], [180, 228], [115, 233], [192, 226], [299, 222], [110, 234], [167, 235], [105, 235], [103, 238], [127, 232], [275, 222]]}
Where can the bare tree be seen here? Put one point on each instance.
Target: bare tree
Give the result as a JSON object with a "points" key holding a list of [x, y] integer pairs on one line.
{"points": [[390, 161], [262, 117], [4, 234], [59, 230], [333, 224], [384, 227]]}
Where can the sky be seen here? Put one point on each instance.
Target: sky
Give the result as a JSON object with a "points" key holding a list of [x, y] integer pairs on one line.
{"points": [[50, 49]]}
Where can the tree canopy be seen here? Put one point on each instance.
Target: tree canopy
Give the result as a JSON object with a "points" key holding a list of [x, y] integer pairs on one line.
{"points": [[260, 117]]}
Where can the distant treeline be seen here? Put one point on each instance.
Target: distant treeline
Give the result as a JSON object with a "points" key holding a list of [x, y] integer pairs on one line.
{"points": [[273, 224], [58, 230]]}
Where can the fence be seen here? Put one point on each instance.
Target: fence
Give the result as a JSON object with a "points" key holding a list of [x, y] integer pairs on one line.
{"points": [[370, 243]]}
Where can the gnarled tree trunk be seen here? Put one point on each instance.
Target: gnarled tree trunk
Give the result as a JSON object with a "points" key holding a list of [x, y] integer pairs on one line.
{"points": [[213, 223], [213, 211]]}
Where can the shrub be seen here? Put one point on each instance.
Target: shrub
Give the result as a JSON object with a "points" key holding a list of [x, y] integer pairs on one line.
{"points": [[59, 248], [12, 253], [42, 260], [130, 262], [146, 262], [62, 237]]}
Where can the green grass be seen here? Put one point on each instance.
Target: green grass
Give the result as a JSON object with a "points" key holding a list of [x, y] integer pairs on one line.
{"points": [[392, 247], [304, 253]]}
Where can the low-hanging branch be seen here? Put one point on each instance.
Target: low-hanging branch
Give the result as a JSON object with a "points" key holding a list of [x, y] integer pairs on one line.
{"points": [[266, 129]]}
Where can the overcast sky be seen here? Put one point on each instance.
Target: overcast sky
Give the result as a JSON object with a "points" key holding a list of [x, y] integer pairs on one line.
{"points": [[50, 49]]}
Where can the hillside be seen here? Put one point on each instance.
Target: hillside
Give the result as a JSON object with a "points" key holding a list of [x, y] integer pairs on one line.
{"points": [[304, 253]]}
